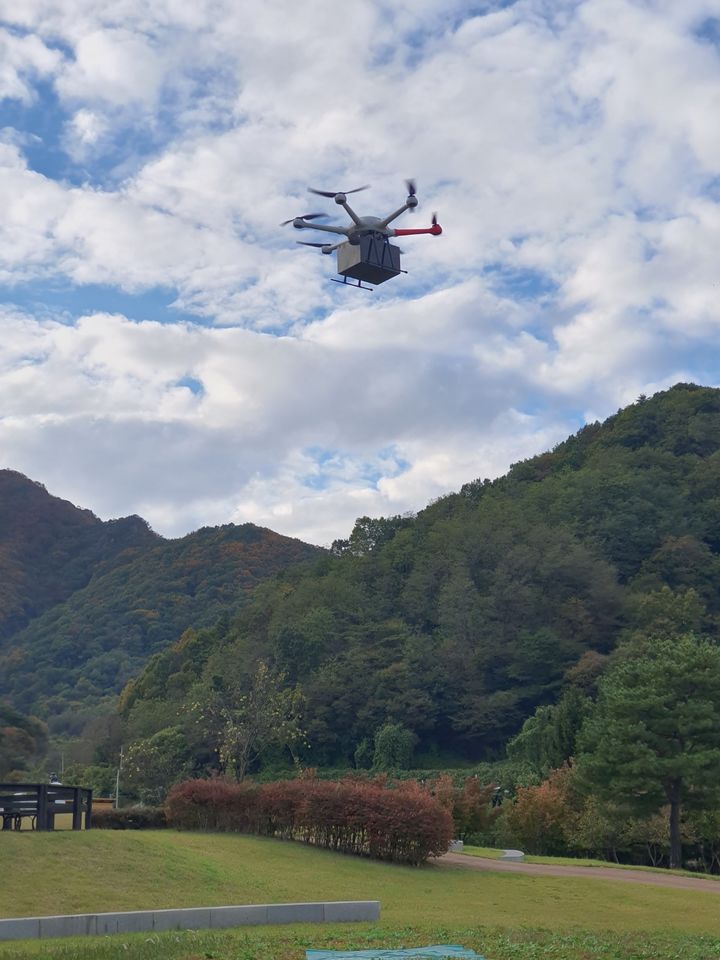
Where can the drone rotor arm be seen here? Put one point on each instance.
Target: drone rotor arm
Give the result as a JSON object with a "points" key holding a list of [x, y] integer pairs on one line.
{"points": [[324, 247], [351, 213], [328, 228], [396, 214], [435, 230]]}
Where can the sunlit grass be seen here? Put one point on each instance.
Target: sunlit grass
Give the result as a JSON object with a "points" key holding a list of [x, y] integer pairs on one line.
{"points": [[501, 915], [290, 943]]}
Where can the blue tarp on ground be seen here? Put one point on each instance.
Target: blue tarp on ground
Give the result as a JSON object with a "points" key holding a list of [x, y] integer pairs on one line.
{"points": [[436, 952]]}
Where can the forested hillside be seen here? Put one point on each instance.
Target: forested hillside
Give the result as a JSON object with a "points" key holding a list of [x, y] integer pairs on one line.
{"points": [[86, 602], [23, 741], [50, 548], [456, 624]]}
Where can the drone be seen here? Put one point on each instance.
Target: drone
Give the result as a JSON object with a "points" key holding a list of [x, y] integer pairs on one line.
{"points": [[365, 253]]}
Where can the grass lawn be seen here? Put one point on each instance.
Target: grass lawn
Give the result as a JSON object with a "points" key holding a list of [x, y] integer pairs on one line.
{"points": [[500, 915], [493, 853]]}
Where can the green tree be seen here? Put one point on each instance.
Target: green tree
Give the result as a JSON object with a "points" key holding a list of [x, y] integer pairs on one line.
{"points": [[152, 766], [548, 738], [246, 720], [665, 612], [394, 746], [654, 736], [23, 740], [363, 755]]}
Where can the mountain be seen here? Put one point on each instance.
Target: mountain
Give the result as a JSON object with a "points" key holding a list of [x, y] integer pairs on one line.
{"points": [[459, 622], [50, 548], [85, 602]]}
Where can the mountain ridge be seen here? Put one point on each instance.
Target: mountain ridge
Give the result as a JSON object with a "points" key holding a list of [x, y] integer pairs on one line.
{"points": [[86, 601], [49, 547], [460, 622]]}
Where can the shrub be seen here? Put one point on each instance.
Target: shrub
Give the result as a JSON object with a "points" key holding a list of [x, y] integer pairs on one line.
{"points": [[405, 824], [471, 805], [129, 818], [215, 804], [541, 818]]}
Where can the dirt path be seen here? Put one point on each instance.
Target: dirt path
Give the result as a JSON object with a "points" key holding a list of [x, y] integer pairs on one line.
{"points": [[593, 873]]}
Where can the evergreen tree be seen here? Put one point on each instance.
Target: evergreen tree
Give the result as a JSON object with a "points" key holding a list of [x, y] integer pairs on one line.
{"points": [[654, 736]]}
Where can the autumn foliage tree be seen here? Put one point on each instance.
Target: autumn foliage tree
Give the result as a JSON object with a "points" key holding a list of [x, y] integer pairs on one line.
{"points": [[471, 804], [541, 818]]}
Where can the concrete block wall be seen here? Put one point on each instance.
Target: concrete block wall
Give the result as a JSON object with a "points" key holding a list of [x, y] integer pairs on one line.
{"points": [[190, 918]]}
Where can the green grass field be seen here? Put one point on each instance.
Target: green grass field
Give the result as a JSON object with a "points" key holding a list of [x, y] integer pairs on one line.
{"points": [[493, 853], [503, 916]]}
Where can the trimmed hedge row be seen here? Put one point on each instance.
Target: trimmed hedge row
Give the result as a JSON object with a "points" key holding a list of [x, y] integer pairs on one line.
{"points": [[128, 818], [405, 824]]}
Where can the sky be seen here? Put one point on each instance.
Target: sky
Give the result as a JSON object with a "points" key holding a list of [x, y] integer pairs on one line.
{"points": [[166, 348]]}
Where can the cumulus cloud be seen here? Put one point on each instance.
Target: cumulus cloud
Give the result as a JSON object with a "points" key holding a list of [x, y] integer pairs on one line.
{"points": [[305, 433], [24, 60], [572, 154]]}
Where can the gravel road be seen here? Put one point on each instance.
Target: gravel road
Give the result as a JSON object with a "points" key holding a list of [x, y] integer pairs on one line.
{"points": [[593, 873]]}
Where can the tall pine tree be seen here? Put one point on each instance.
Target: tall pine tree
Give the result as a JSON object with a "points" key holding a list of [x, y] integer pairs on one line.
{"points": [[654, 737]]}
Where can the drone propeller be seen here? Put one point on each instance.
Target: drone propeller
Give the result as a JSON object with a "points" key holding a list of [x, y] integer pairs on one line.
{"points": [[412, 199], [305, 216], [434, 220], [306, 243], [334, 193]]}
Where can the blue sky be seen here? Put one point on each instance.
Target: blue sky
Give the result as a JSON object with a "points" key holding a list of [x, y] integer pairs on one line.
{"points": [[169, 350]]}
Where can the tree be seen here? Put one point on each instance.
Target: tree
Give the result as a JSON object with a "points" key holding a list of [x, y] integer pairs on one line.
{"points": [[654, 736], [541, 819], [547, 738], [23, 740], [393, 747], [246, 722], [473, 811], [152, 766], [704, 829], [600, 828]]}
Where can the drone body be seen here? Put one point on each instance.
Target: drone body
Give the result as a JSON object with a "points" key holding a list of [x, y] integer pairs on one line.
{"points": [[365, 253]]}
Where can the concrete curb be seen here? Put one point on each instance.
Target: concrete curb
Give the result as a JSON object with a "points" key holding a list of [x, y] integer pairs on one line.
{"points": [[191, 918], [512, 855]]}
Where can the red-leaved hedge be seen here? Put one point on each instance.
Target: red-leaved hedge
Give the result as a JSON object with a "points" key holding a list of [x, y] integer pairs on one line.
{"points": [[404, 824]]}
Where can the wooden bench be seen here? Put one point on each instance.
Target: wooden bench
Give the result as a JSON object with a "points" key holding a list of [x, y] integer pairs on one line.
{"points": [[41, 802]]}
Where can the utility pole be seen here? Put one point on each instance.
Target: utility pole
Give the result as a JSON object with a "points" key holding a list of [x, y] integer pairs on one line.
{"points": [[117, 780]]}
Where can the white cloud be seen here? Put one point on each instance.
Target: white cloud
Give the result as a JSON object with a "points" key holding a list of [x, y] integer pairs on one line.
{"points": [[572, 154], [22, 60], [85, 130], [278, 426], [115, 65]]}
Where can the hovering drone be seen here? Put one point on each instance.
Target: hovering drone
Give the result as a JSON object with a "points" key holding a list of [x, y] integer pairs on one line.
{"points": [[365, 253]]}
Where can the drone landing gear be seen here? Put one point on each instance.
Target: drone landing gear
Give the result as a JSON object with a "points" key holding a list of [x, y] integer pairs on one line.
{"points": [[349, 283]]}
